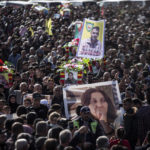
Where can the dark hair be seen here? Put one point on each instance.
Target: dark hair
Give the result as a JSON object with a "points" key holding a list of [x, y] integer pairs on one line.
{"points": [[96, 28], [21, 110], [120, 133], [137, 101], [26, 136], [17, 128], [50, 143], [8, 124], [86, 97], [78, 108], [129, 100], [31, 116], [40, 142], [54, 132], [88, 146]]}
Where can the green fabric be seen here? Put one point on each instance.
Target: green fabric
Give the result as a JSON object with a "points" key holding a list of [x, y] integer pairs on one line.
{"points": [[76, 124], [93, 126]]}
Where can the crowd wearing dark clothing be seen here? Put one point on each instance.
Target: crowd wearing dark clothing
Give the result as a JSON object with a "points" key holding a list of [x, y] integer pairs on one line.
{"points": [[29, 121]]}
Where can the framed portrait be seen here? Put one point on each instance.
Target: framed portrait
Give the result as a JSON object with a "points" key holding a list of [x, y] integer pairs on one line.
{"points": [[91, 43], [102, 98], [71, 77]]}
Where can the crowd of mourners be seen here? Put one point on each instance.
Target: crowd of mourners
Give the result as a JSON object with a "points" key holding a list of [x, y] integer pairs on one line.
{"points": [[31, 123]]}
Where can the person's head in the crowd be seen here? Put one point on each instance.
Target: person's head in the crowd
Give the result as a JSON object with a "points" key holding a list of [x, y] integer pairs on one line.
{"points": [[55, 108], [3, 137], [45, 81], [21, 110], [2, 121], [53, 117], [128, 92], [31, 116], [24, 69], [8, 124], [102, 142], [58, 91], [127, 104], [63, 122], [88, 146], [120, 133], [50, 143], [19, 119], [54, 132], [6, 110], [31, 70], [85, 113], [106, 76], [90, 77], [23, 53], [36, 100], [27, 102], [23, 87], [12, 99], [38, 88], [50, 83], [65, 137], [26, 136], [137, 103], [21, 144], [100, 104], [16, 128], [41, 128], [40, 53], [32, 51], [39, 143], [14, 50]]}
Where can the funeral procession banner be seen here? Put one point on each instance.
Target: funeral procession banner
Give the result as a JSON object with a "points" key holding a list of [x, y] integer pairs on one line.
{"points": [[91, 43], [102, 98]]}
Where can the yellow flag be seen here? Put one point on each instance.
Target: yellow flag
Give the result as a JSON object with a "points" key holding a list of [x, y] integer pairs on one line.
{"points": [[32, 32], [49, 26]]}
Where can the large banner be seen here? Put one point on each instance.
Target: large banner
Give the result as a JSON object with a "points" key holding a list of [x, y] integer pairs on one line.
{"points": [[91, 43], [102, 98]]}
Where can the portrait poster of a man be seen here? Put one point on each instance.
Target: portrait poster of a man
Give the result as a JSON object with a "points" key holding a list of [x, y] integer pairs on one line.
{"points": [[91, 43], [71, 78]]}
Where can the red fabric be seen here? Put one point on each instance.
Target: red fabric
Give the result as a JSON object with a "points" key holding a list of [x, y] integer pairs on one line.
{"points": [[1, 62], [120, 142]]}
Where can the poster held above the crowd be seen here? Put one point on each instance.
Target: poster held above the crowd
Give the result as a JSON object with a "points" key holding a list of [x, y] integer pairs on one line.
{"points": [[102, 98], [71, 78], [71, 74], [91, 43]]}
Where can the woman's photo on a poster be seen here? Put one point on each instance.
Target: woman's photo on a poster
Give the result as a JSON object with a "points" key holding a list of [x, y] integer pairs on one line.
{"points": [[99, 97]]}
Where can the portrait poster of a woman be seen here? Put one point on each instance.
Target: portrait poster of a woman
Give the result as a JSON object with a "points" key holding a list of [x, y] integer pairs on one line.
{"points": [[99, 97]]}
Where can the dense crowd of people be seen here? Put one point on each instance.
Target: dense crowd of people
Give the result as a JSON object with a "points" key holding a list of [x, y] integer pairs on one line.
{"points": [[32, 123]]}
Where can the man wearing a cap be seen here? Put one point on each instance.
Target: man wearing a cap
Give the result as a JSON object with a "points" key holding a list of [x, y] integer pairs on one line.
{"points": [[94, 127], [40, 109]]}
